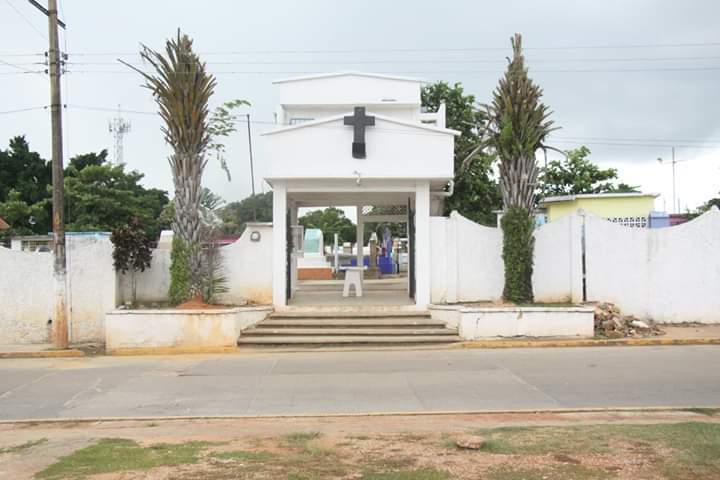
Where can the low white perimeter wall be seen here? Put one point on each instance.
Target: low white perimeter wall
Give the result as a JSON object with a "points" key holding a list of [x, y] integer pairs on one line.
{"points": [[466, 262], [26, 296], [247, 265], [477, 322], [26, 291], [179, 328], [666, 274]]}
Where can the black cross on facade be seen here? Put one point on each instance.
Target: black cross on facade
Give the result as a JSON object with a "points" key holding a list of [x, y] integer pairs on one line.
{"points": [[359, 121]]}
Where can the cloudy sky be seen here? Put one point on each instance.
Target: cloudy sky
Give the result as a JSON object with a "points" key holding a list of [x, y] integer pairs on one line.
{"points": [[629, 78]]}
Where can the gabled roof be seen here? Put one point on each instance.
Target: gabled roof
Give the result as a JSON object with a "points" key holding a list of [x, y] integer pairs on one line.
{"points": [[3, 224], [335, 118], [346, 74], [579, 196]]}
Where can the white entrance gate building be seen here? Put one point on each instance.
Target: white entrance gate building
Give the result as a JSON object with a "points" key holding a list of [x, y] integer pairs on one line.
{"points": [[356, 139]]}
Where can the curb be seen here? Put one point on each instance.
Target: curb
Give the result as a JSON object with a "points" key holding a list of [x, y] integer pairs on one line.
{"points": [[626, 342], [532, 411], [44, 354], [140, 351]]}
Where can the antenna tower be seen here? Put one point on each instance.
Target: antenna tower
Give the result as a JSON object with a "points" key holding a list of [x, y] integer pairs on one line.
{"points": [[118, 127]]}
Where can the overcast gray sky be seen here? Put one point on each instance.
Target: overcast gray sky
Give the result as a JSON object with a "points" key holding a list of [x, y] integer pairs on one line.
{"points": [[656, 87]]}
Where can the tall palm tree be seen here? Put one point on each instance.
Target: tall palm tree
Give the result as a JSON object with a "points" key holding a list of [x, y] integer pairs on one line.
{"points": [[182, 88], [517, 127]]}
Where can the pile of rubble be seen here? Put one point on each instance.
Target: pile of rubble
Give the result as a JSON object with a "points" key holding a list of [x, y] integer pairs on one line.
{"points": [[610, 323]]}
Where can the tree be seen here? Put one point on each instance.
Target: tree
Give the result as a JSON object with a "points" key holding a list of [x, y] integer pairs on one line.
{"points": [[331, 221], [132, 251], [518, 125], [182, 88], [102, 197], [713, 202], [476, 194], [98, 196], [255, 208], [222, 123], [576, 174]]}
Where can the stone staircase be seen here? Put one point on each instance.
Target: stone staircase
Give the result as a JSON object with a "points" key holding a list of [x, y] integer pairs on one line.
{"points": [[348, 328]]}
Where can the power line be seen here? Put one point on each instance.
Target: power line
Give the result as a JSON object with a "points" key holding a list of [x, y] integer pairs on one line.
{"points": [[7, 112], [407, 50], [26, 20], [434, 61], [432, 72], [675, 140]]}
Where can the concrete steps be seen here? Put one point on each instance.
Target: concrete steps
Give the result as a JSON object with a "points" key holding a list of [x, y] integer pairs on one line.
{"points": [[348, 328]]}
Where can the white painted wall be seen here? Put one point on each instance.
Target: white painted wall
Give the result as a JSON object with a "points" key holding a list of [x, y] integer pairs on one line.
{"points": [[466, 264], [26, 291], [394, 150], [247, 265], [557, 273], [348, 89], [667, 274]]}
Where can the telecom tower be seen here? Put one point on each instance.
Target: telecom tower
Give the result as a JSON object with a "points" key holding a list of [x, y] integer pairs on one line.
{"points": [[118, 127]]}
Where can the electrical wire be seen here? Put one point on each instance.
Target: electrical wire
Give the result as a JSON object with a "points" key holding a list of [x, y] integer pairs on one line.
{"points": [[26, 20]]}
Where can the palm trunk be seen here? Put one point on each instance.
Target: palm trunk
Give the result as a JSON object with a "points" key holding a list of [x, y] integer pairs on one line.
{"points": [[187, 223]]}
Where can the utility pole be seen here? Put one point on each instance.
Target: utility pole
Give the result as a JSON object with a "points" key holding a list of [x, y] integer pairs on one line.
{"points": [[252, 172], [675, 202], [60, 323]]}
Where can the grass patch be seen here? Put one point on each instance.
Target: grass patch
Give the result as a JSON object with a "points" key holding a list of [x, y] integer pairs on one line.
{"points": [[245, 456], [419, 474], [21, 448], [116, 455], [694, 447], [300, 439], [559, 472]]}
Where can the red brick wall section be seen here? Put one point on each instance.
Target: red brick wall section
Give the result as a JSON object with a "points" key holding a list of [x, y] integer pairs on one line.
{"points": [[318, 273]]}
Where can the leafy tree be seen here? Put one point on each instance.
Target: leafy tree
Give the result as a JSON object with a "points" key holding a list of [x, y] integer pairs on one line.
{"points": [[98, 196], [255, 208], [576, 174], [713, 202], [132, 251], [182, 88], [476, 194], [103, 197], [222, 124], [25, 172], [518, 124], [331, 221]]}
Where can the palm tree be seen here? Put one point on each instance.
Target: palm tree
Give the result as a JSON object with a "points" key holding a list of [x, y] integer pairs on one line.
{"points": [[517, 126], [182, 87]]}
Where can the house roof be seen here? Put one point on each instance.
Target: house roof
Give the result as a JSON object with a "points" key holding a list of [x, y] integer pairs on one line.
{"points": [[579, 196], [3, 224], [346, 74], [335, 118]]}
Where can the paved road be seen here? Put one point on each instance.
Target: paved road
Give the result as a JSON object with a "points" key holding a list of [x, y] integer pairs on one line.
{"points": [[359, 382]]}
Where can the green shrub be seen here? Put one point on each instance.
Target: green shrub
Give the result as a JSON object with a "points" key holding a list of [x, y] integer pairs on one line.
{"points": [[179, 271], [518, 245]]}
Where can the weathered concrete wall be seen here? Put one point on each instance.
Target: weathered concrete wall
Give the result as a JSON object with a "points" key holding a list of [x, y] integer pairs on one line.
{"points": [[667, 274], [247, 265], [26, 291], [179, 328], [486, 322], [26, 288]]}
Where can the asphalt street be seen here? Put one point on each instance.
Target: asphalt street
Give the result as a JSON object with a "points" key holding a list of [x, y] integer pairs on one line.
{"points": [[360, 382]]}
